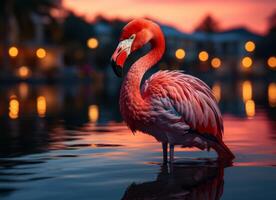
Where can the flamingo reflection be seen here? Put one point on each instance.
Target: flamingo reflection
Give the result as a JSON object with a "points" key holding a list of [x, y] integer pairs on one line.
{"points": [[181, 181]]}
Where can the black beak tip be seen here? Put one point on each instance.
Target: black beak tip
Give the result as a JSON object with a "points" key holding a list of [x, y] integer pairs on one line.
{"points": [[116, 68]]}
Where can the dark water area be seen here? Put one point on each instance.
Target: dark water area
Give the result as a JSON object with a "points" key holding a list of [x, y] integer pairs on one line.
{"points": [[69, 142]]}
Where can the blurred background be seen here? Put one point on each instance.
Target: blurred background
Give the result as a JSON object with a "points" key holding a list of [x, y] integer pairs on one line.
{"points": [[61, 132], [54, 57]]}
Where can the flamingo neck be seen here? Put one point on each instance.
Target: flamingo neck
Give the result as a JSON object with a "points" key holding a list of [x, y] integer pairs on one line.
{"points": [[130, 92], [138, 70]]}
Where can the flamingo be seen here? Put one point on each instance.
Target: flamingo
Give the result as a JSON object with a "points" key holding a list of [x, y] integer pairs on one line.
{"points": [[174, 107]]}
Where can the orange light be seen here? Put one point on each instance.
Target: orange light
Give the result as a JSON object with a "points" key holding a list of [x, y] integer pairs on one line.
{"points": [[216, 63], [247, 62], [246, 90], [23, 72], [272, 94], [180, 54], [93, 113], [249, 46], [203, 56], [41, 53], [250, 108], [271, 61], [13, 108], [23, 90], [41, 106], [216, 89], [92, 43], [13, 51]]}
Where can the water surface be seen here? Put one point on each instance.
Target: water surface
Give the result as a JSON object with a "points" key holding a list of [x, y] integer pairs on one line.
{"points": [[59, 142]]}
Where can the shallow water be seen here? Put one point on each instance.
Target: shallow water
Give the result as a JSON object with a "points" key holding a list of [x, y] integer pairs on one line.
{"points": [[76, 147]]}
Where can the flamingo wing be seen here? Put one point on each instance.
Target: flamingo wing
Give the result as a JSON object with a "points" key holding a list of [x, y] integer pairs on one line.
{"points": [[184, 98]]}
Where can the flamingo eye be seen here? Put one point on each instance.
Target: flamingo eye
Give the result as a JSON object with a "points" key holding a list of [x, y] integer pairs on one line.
{"points": [[132, 37]]}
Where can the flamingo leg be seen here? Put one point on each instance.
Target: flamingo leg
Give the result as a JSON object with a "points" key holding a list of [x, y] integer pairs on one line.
{"points": [[171, 153], [165, 152]]}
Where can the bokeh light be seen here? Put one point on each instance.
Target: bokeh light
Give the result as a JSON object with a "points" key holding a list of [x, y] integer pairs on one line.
{"points": [[203, 56], [23, 90], [41, 106], [13, 107], [180, 54], [216, 63], [249, 46], [92, 43], [272, 94], [24, 72], [216, 89], [250, 108], [246, 90], [247, 62], [13, 51], [271, 62], [41, 53], [93, 113]]}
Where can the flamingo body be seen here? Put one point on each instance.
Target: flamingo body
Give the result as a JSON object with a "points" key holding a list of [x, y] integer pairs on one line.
{"points": [[174, 107]]}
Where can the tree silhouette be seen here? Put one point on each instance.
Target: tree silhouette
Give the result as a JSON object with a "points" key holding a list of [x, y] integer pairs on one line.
{"points": [[272, 22], [208, 25], [267, 46]]}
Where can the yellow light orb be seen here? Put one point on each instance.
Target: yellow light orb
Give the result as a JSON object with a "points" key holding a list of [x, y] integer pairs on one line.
{"points": [[92, 43], [41, 106], [271, 61], [23, 72], [216, 63], [13, 108], [13, 51], [250, 108], [247, 62], [249, 46], [247, 90], [180, 54], [203, 56], [41, 53], [272, 94], [93, 113]]}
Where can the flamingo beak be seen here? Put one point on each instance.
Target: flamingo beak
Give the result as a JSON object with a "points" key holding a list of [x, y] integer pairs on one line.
{"points": [[120, 55]]}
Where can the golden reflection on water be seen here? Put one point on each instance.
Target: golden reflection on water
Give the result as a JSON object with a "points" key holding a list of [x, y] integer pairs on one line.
{"points": [[118, 133], [23, 90], [246, 91], [250, 138], [216, 89], [41, 106], [13, 107], [240, 135], [250, 108], [93, 113], [272, 94]]}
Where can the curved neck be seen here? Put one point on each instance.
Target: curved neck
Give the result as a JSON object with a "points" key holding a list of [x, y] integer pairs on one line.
{"points": [[132, 81]]}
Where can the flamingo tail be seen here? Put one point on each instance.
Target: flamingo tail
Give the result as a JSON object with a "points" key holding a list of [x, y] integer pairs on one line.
{"points": [[223, 151]]}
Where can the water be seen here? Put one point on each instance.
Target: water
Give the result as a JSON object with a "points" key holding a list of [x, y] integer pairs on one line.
{"points": [[68, 142]]}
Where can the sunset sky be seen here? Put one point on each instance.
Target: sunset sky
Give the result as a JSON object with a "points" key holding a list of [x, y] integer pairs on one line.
{"points": [[184, 14]]}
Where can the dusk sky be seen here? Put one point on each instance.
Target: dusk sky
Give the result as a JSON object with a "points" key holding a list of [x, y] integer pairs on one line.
{"points": [[183, 14]]}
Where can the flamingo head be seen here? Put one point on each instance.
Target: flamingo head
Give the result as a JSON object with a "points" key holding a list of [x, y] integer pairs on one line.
{"points": [[134, 36]]}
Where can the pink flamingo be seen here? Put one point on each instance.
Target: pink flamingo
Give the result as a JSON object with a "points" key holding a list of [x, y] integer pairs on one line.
{"points": [[173, 107]]}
